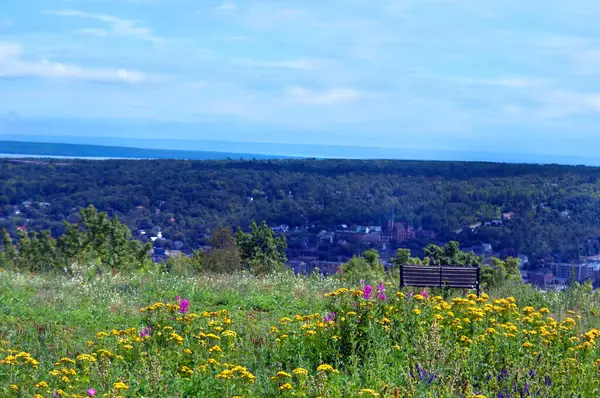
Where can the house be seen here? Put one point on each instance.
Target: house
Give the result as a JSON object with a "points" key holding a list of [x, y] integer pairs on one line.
{"points": [[362, 229], [22, 228], [142, 232], [376, 229], [475, 226], [17, 212], [487, 248], [565, 214], [44, 204], [27, 203], [508, 215]]}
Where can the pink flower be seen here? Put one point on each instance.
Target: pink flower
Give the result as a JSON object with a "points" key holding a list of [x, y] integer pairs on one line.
{"points": [[368, 292], [381, 292], [177, 298], [183, 306], [91, 392], [424, 293]]}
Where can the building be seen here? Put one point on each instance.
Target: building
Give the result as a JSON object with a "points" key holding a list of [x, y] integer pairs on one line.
{"points": [[581, 272], [508, 215], [541, 279]]}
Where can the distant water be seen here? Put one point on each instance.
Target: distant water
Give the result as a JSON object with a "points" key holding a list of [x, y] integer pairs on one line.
{"points": [[21, 156]]}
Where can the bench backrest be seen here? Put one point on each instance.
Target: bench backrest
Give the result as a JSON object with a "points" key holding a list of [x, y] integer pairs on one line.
{"points": [[440, 276]]}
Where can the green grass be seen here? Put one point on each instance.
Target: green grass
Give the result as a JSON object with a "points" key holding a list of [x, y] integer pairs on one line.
{"points": [[53, 317]]}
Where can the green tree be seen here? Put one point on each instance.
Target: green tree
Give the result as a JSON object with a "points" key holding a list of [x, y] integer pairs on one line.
{"points": [[8, 255], [99, 238], [261, 250], [224, 255], [500, 272]]}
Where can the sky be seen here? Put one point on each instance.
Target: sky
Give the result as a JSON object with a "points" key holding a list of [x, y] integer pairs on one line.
{"points": [[495, 76]]}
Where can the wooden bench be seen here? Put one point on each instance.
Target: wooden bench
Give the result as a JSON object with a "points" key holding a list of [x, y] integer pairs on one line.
{"points": [[440, 276]]}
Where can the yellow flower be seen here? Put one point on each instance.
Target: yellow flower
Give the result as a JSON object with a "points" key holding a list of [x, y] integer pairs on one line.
{"points": [[283, 374], [120, 386], [215, 348], [188, 351], [368, 391], [41, 384], [300, 372], [14, 387], [417, 311], [527, 345], [65, 379], [187, 370], [326, 368], [286, 386], [418, 297]]}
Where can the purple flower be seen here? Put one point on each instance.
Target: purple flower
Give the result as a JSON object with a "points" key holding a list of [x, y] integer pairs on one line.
{"points": [[381, 292], [424, 293], [145, 331], [91, 392], [177, 298], [183, 306], [368, 292], [329, 317]]}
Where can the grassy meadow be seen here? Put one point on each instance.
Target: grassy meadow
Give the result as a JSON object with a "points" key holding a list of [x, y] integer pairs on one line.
{"points": [[152, 334]]}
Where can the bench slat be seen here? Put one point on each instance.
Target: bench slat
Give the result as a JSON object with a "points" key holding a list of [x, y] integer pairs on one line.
{"points": [[440, 276]]}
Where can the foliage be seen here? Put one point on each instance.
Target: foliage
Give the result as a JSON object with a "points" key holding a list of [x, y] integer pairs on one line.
{"points": [[261, 250], [201, 196], [98, 238], [500, 272], [367, 266]]}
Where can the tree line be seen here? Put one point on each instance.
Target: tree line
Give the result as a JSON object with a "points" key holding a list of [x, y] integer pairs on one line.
{"points": [[189, 200]]}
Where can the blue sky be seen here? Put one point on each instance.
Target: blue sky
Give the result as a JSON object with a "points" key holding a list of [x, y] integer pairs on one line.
{"points": [[501, 76]]}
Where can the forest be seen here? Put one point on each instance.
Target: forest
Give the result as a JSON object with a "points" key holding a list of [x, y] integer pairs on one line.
{"points": [[556, 209]]}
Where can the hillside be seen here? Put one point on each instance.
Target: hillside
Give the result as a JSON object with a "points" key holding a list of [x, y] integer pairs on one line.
{"points": [[553, 210]]}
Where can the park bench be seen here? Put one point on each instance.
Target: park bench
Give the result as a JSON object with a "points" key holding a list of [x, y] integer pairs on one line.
{"points": [[440, 276]]}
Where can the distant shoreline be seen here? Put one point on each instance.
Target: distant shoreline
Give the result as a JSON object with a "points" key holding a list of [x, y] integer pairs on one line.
{"points": [[30, 156]]}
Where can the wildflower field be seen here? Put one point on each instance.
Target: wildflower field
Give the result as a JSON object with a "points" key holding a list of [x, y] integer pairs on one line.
{"points": [[153, 334]]}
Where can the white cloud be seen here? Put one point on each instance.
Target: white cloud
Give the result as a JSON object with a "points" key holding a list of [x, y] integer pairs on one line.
{"points": [[302, 95], [116, 26], [561, 104], [13, 64]]}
